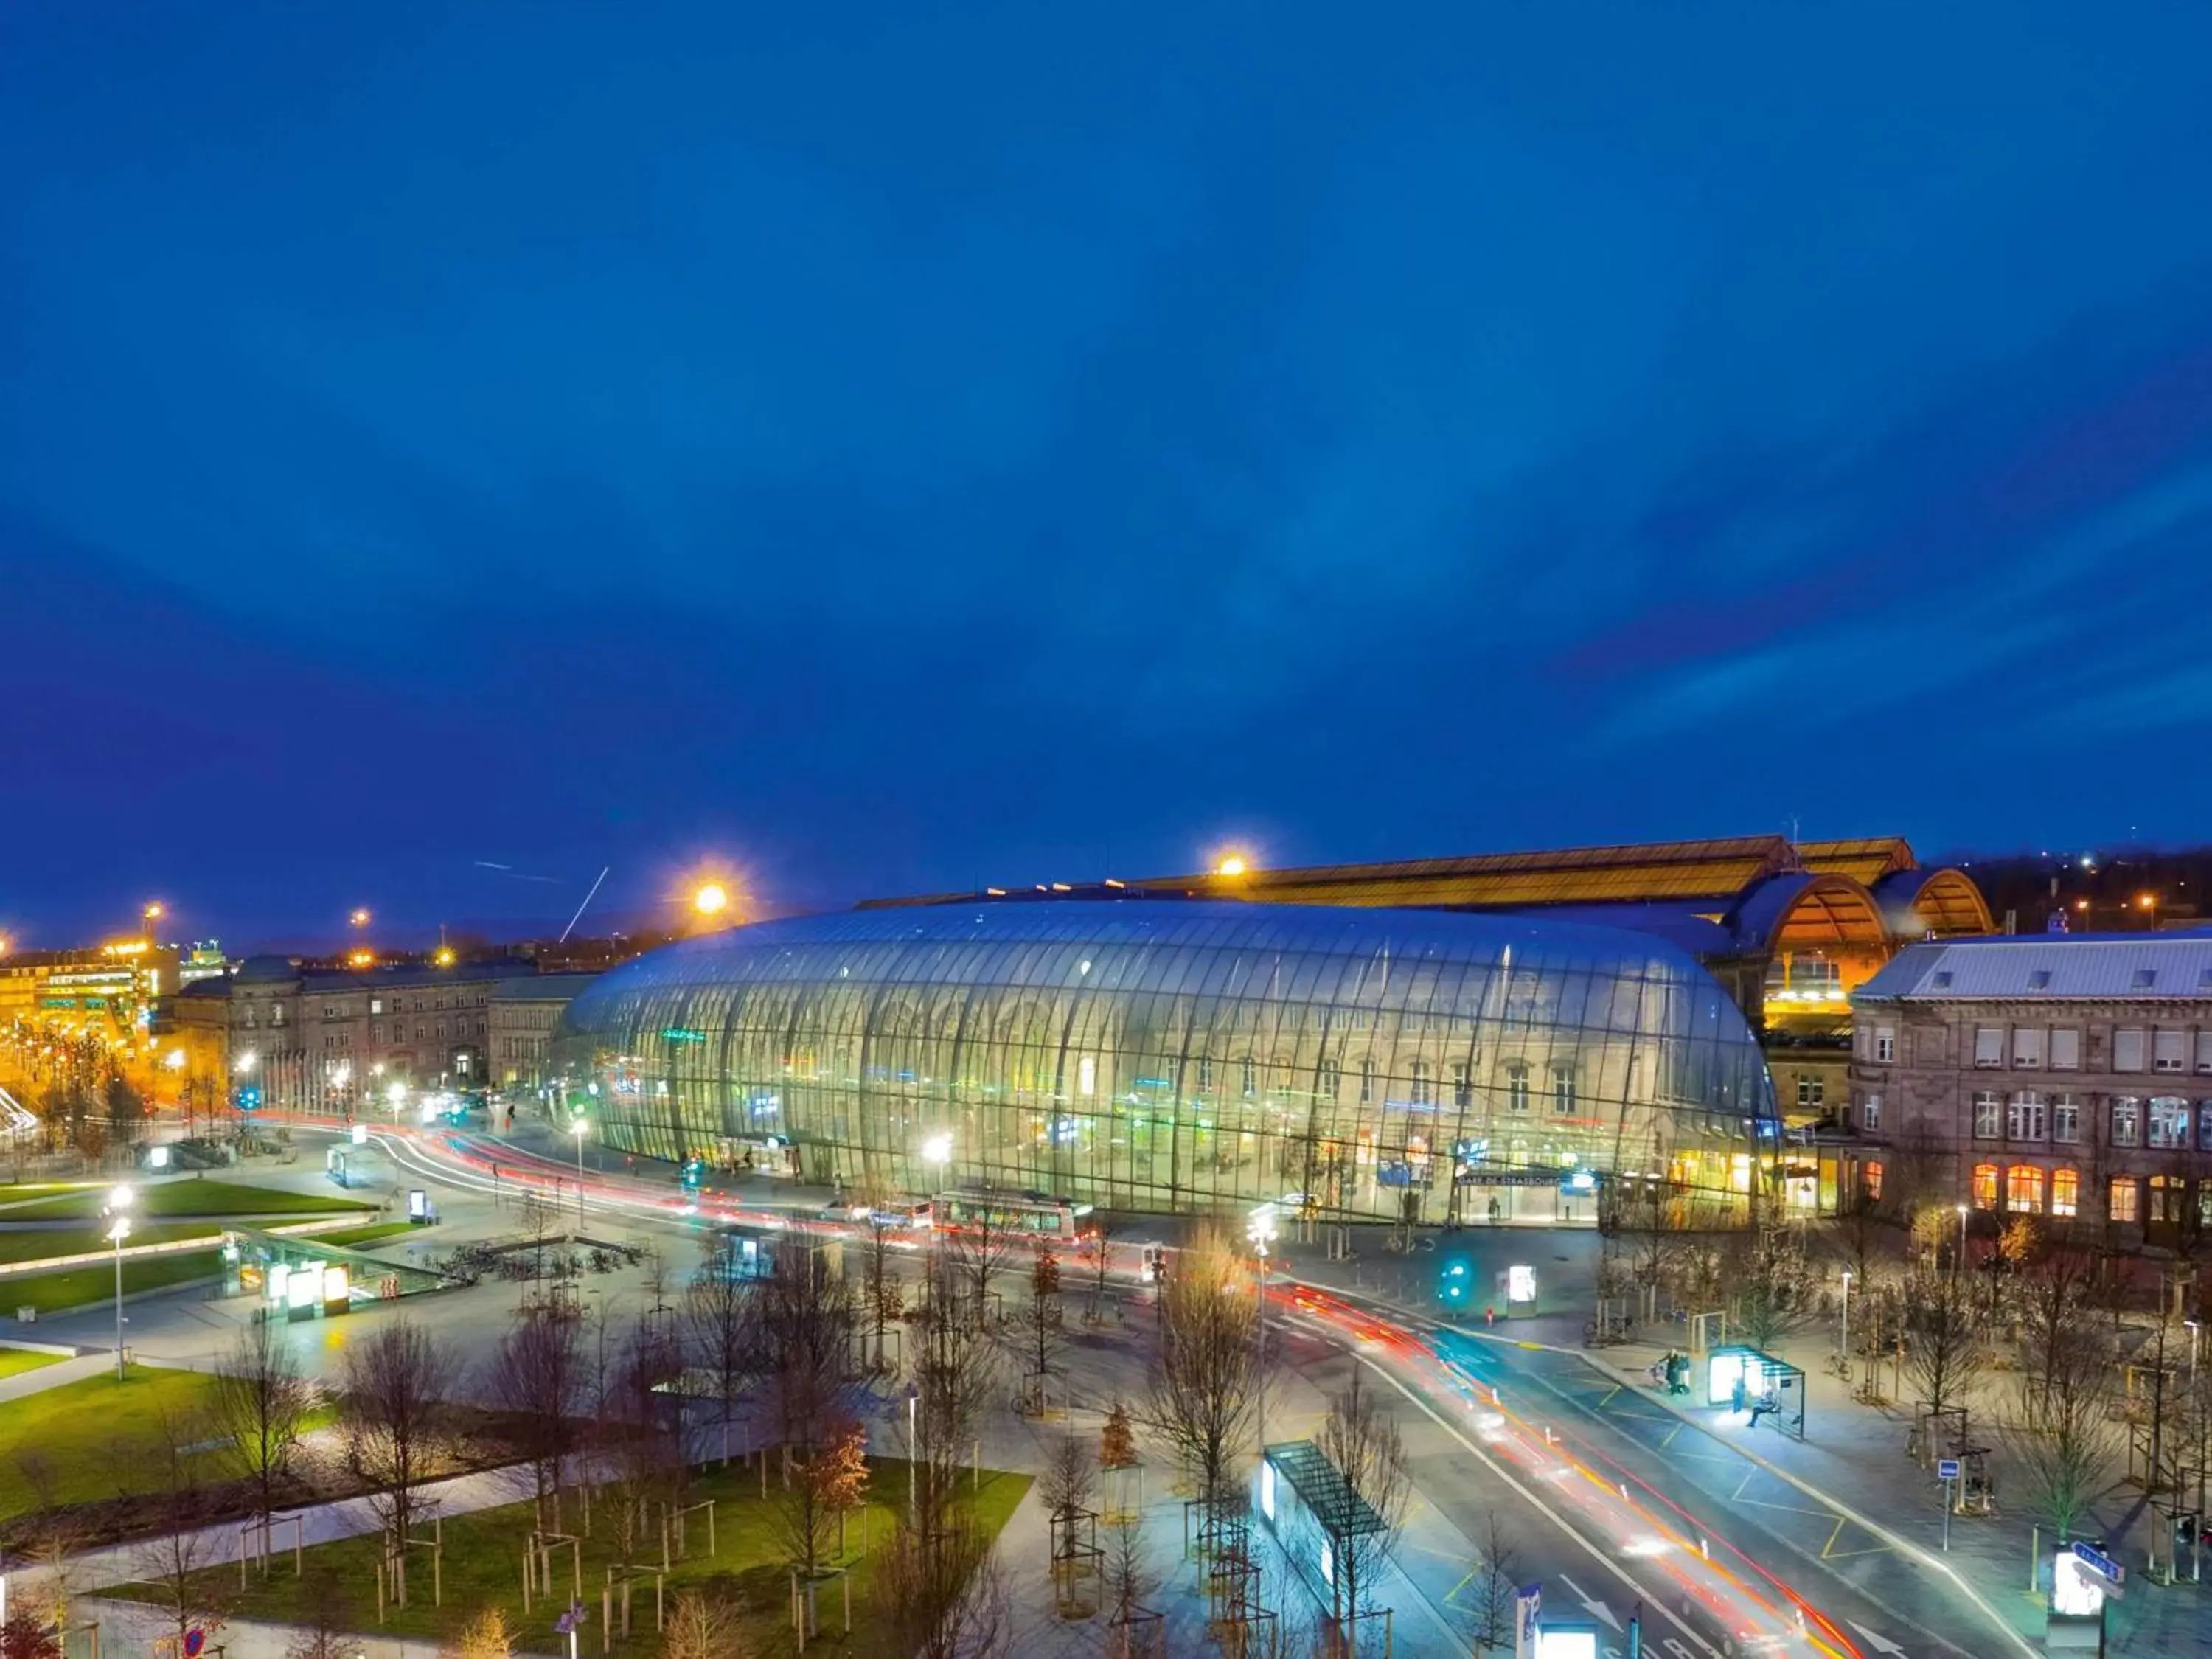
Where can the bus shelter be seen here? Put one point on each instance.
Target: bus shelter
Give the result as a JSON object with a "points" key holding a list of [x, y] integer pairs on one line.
{"points": [[1749, 1381], [1316, 1515], [295, 1278]]}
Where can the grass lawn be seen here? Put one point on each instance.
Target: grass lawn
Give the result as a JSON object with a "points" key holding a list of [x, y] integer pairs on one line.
{"points": [[354, 1237], [14, 1362], [191, 1196], [35, 1243], [482, 1565], [15, 1192], [73, 1287], [89, 1433]]}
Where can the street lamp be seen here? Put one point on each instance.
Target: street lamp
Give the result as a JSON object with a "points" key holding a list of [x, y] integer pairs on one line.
{"points": [[913, 1450], [711, 899], [1261, 1229], [118, 1230], [580, 1127], [937, 1149], [360, 917], [1847, 1312], [1962, 1237]]}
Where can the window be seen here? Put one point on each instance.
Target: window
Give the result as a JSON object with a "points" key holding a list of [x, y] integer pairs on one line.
{"points": [[2066, 1050], [2127, 1051], [2167, 1193], [1462, 1085], [2024, 1189], [2168, 1051], [2204, 1051], [2144, 979], [1870, 1183], [1811, 1089], [1884, 1043], [2065, 1119], [2039, 979], [1563, 1090], [2126, 1199], [1942, 979], [376, 1005], [1986, 1109], [1366, 1080], [276, 1014], [1418, 1073], [1328, 1081], [2205, 1126], [1985, 1185], [1989, 1046], [1205, 1072], [1266, 1489], [1517, 1087], [2027, 1047], [1086, 1075], [2127, 1120], [2065, 1191], [1248, 1076], [1870, 1114], [2024, 1116], [2169, 1122]]}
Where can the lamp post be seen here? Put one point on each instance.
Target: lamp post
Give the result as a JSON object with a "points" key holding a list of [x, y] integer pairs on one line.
{"points": [[1846, 1343], [1261, 1229], [118, 1230], [912, 1452], [580, 1127], [1962, 1238]]}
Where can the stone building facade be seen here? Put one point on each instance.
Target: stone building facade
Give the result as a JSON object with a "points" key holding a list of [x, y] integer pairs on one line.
{"points": [[2065, 1077], [524, 1011]]}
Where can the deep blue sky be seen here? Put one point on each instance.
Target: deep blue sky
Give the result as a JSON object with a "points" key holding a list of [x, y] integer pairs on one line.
{"points": [[906, 447]]}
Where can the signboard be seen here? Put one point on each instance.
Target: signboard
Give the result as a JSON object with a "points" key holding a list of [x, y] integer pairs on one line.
{"points": [[2098, 1562], [418, 1205], [360, 1134], [1947, 1469], [1520, 1284]]}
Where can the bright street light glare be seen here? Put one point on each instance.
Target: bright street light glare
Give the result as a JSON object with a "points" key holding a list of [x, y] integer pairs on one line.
{"points": [[154, 911], [120, 1199], [579, 1127], [1232, 865], [937, 1149], [711, 899], [360, 917], [120, 1230]]}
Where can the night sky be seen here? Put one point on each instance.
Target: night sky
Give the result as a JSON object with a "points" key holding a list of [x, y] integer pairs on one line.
{"points": [[903, 447]]}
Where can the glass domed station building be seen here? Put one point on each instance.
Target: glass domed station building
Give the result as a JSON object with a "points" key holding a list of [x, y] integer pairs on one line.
{"points": [[1185, 1055]]}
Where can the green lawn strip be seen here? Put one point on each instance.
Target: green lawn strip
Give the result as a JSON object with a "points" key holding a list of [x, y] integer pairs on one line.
{"points": [[37, 1243], [353, 1237], [14, 1362], [191, 1197], [482, 1565], [91, 1435], [74, 1287], [17, 1192]]}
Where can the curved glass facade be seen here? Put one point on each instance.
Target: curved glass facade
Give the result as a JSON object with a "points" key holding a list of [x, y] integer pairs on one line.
{"points": [[1179, 1055]]}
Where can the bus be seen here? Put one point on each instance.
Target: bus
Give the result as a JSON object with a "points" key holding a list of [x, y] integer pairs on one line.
{"points": [[1033, 1215]]}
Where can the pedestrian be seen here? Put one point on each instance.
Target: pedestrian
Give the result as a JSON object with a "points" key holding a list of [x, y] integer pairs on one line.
{"points": [[1490, 1313], [1737, 1396]]}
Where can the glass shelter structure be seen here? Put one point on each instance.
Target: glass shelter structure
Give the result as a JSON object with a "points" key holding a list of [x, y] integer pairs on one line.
{"points": [[1185, 1055]]}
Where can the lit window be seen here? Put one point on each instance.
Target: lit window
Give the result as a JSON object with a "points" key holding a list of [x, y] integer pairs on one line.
{"points": [[1871, 1179], [1870, 1114], [2126, 1197], [1517, 1087], [2127, 1120], [1266, 1489], [2065, 1192], [2169, 1122], [1086, 1076], [2065, 1119], [1462, 1077], [2024, 1116], [1205, 1074], [2024, 1189], [1248, 1076], [2167, 1193], [1985, 1185]]}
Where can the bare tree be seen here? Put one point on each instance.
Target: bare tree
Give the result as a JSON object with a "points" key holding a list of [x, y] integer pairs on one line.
{"points": [[703, 1625], [23, 1636], [323, 1627], [1102, 1258], [1040, 1325], [1492, 1589], [1203, 1394], [536, 1377], [974, 1251], [2061, 1438], [260, 1401], [538, 1217], [946, 1597], [1361, 1439], [1772, 1285], [397, 1418], [1947, 1336], [52, 1535], [884, 1291], [802, 1322], [717, 1322], [1066, 1486], [1128, 1581], [176, 1562], [640, 1425]]}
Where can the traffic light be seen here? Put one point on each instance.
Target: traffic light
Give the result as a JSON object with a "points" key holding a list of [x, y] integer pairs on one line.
{"points": [[249, 1097], [695, 1173]]}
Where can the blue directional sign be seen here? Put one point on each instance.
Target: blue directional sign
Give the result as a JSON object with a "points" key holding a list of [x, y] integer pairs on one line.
{"points": [[2097, 1561], [1947, 1469]]}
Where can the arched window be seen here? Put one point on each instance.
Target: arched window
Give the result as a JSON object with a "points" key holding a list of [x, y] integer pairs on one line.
{"points": [[1985, 1185], [2126, 1197], [2065, 1192], [2166, 1197], [2024, 1189]]}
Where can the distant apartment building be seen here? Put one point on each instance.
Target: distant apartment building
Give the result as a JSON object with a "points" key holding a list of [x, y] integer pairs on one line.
{"points": [[524, 1011], [2065, 1078], [323, 1038]]}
